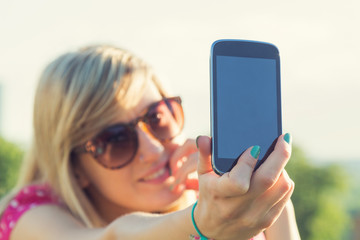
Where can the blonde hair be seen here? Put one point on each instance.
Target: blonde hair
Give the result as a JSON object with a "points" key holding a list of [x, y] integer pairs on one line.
{"points": [[79, 94]]}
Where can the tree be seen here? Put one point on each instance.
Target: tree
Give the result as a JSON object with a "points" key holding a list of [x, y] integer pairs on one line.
{"points": [[317, 198], [10, 160]]}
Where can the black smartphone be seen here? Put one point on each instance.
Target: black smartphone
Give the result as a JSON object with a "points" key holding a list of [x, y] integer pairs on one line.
{"points": [[245, 100]]}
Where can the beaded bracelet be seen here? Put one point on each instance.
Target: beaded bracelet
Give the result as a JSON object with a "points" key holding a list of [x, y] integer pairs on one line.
{"points": [[202, 237]]}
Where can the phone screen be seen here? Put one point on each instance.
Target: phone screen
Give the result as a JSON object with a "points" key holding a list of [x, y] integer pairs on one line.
{"points": [[246, 106]]}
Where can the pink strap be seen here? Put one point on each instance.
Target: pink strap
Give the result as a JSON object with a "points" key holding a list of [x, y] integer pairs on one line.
{"points": [[28, 198]]}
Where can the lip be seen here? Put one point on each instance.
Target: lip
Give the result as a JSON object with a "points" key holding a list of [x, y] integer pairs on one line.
{"points": [[160, 179]]}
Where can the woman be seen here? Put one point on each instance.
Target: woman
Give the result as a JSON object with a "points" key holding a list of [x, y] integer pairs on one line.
{"points": [[108, 161]]}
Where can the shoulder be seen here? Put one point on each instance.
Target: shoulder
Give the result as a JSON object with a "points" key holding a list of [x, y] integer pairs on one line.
{"points": [[26, 199]]}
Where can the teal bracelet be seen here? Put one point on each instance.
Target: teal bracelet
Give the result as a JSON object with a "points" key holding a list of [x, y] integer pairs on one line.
{"points": [[202, 237]]}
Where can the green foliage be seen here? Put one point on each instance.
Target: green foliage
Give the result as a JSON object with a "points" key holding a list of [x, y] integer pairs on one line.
{"points": [[317, 198], [330, 221], [10, 160]]}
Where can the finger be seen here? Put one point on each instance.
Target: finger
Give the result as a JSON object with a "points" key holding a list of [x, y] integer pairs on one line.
{"points": [[204, 146], [276, 193], [237, 181], [188, 169], [189, 184], [274, 213], [268, 173], [188, 166], [185, 150]]}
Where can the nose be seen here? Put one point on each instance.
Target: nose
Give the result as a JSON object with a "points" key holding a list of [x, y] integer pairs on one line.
{"points": [[150, 148]]}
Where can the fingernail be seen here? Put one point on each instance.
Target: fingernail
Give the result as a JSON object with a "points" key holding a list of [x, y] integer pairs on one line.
{"points": [[287, 138], [255, 151], [197, 138]]}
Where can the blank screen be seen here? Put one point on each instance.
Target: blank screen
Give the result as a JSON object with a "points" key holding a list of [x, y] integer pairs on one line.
{"points": [[247, 109]]}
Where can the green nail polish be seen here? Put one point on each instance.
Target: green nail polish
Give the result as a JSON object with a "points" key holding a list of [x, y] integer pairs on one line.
{"points": [[287, 138], [255, 151]]}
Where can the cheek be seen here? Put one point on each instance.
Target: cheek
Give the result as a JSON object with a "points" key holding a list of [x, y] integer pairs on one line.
{"points": [[106, 182], [110, 181]]}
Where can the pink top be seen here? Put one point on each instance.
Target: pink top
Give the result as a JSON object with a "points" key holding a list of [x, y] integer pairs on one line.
{"points": [[28, 198]]}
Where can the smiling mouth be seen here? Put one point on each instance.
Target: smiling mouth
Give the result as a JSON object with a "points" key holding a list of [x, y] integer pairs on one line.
{"points": [[159, 175]]}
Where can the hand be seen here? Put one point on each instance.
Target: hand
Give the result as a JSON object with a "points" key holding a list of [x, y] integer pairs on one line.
{"points": [[240, 204], [183, 162]]}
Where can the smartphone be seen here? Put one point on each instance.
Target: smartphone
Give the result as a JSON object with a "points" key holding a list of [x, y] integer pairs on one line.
{"points": [[245, 100]]}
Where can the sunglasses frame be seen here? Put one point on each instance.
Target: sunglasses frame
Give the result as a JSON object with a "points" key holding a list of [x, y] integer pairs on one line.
{"points": [[97, 147]]}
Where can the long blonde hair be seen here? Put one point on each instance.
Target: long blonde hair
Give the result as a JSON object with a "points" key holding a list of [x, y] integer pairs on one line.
{"points": [[78, 94]]}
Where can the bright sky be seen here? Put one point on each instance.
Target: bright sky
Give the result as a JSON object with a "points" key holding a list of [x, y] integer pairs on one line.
{"points": [[319, 45]]}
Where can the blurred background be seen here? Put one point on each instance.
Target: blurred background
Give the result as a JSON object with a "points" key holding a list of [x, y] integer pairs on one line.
{"points": [[319, 51]]}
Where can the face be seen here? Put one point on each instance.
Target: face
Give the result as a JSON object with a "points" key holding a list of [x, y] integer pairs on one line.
{"points": [[143, 184]]}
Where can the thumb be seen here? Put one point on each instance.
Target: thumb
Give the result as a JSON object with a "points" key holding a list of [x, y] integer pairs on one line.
{"points": [[203, 143]]}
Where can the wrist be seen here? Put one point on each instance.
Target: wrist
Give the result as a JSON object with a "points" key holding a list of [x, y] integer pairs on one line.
{"points": [[183, 221], [200, 234]]}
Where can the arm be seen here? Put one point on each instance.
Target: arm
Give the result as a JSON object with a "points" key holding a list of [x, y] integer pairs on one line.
{"points": [[285, 227], [50, 222]]}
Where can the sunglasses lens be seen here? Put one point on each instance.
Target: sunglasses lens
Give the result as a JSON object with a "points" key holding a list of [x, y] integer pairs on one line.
{"points": [[121, 146], [166, 119], [116, 146]]}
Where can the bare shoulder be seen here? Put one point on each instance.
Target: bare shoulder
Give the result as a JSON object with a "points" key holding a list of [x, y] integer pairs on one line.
{"points": [[51, 222]]}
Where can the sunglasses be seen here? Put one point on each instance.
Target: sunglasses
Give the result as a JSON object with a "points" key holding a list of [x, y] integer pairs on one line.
{"points": [[117, 145]]}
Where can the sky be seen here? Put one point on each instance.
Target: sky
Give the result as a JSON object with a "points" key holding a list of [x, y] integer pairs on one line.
{"points": [[318, 43]]}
